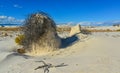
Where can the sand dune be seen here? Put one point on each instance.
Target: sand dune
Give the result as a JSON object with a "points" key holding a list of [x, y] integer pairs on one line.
{"points": [[95, 53]]}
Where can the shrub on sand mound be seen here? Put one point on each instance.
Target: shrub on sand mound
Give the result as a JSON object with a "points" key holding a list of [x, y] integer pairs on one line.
{"points": [[40, 33]]}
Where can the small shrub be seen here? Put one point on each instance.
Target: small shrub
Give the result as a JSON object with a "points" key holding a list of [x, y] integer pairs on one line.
{"points": [[19, 39], [85, 31], [118, 30], [5, 34]]}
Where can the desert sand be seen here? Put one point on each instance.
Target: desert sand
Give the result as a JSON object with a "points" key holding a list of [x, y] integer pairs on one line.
{"points": [[97, 52]]}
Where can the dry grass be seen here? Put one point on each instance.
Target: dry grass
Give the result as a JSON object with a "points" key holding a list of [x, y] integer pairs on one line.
{"points": [[10, 28], [101, 30], [59, 29], [118, 30], [63, 29]]}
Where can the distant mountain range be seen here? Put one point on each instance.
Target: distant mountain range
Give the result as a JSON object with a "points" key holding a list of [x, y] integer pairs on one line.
{"points": [[10, 25], [112, 23], [94, 23], [107, 24]]}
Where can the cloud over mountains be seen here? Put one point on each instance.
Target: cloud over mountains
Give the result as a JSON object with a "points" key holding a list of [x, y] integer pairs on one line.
{"points": [[107, 23], [10, 20]]}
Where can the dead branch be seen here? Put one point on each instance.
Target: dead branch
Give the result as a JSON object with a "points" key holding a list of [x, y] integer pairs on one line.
{"points": [[46, 66]]}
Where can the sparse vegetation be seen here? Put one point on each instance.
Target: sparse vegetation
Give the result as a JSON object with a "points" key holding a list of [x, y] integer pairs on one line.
{"points": [[118, 25], [100, 30], [4, 34], [63, 29], [118, 30], [85, 31], [58, 29], [10, 28]]}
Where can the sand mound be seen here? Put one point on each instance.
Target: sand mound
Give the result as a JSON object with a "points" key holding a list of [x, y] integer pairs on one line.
{"points": [[74, 30]]}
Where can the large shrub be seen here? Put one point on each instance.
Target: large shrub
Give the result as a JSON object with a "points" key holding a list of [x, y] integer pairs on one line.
{"points": [[40, 31]]}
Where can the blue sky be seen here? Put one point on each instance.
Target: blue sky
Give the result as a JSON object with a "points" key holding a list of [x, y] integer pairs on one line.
{"points": [[62, 11]]}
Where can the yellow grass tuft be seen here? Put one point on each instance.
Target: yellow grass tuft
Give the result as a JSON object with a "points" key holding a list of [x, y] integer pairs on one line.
{"points": [[19, 39]]}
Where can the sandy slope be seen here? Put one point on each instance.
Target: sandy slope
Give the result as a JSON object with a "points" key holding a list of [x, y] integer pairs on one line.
{"points": [[98, 53]]}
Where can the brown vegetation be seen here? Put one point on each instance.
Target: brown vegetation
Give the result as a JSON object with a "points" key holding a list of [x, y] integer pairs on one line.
{"points": [[101, 30], [118, 30], [59, 29], [10, 28], [63, 29]]}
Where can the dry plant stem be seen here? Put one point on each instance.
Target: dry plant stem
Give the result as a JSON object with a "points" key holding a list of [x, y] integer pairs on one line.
{"points": [[46, 66]]}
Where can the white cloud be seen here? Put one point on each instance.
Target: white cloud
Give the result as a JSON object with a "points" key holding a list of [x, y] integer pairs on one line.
{"points": [[3, 17], [17, 6], [88, 23], [85, 23], [99, 23], [69, 23], [108, 23], [10, 20]]}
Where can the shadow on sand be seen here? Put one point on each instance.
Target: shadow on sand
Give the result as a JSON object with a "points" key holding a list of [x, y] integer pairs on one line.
{"points": [[18, 54], [69, 41]]}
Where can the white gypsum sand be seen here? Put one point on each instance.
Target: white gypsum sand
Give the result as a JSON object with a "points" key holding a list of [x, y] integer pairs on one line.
{"points": [[96, 53]]}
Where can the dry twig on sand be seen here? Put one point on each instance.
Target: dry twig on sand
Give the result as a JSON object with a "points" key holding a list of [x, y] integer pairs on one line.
{"points": [[46, 66]]}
